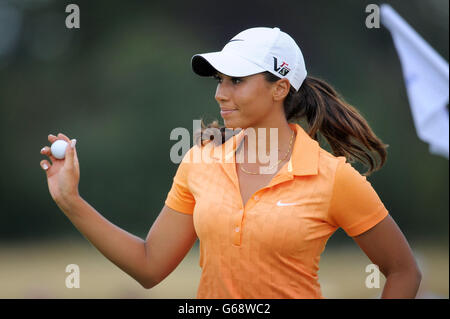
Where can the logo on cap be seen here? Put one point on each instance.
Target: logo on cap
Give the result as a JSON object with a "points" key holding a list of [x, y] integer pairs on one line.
{"points": [[282, 69]]}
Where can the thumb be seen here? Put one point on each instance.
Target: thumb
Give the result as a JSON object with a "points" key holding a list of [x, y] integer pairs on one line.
{"points": [[70, 150]]}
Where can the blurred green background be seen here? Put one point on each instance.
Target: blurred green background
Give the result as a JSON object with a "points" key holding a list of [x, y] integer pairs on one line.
{"points": [[123, 81]]}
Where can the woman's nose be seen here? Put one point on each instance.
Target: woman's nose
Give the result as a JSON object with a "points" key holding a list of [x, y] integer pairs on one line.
{"points": [[221, 93]]}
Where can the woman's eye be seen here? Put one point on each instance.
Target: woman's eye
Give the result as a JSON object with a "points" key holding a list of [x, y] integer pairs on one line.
{"points": [[234, 80]]}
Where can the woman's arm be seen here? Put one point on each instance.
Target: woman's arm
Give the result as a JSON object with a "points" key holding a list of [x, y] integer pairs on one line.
{"points": [[386, 247], [148, 262]]}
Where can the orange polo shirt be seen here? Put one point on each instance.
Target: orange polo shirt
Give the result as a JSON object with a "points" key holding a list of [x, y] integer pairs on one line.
{"points": [[270, 248]]}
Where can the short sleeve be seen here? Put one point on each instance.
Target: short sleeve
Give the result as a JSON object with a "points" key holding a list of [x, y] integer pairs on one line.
{"points": [[354, 206], [180, 197]]}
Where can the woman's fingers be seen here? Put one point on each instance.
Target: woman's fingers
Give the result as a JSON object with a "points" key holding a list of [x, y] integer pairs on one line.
{"points": [[46, 151], [45, 165], [52, 138], [63, 137]]}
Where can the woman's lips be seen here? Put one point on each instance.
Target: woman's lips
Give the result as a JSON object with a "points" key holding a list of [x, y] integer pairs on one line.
{"points": [[226, 112]]}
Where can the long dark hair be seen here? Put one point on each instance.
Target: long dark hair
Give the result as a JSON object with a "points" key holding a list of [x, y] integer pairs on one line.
{"points": [[326, 113]]}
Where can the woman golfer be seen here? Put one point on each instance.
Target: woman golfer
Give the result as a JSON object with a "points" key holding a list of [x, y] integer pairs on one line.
{"points": [[262, 226]]}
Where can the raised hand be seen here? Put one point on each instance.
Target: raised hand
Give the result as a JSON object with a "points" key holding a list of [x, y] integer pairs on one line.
{"points": [[63, 175]]}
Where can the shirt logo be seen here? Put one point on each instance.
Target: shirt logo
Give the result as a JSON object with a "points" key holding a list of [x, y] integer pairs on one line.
{"points": [[282, 69], [279, 203]]}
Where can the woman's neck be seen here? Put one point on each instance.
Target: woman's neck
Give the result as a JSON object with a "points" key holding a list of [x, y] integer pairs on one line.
{"points": [[264, 145]]}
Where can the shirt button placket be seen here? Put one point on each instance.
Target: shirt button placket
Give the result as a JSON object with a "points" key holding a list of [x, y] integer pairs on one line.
{"points": [[237, 228]]}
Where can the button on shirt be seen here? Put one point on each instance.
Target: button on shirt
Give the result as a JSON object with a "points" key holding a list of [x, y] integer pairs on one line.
{"points": [[270, 248]]}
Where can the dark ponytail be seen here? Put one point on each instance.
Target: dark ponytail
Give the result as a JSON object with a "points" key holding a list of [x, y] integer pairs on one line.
{"points": [[326, 113]]}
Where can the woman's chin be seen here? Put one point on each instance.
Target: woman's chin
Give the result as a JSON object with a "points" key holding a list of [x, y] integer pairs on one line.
{"points": [[232, 124], [229, 124]]}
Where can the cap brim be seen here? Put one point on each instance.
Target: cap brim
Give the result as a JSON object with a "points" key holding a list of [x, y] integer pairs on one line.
{"points": [[207, 64]]}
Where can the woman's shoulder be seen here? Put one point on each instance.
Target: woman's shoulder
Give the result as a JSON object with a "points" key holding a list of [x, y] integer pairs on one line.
{"points": [[339, 168], [330, 161], [200, 154]]}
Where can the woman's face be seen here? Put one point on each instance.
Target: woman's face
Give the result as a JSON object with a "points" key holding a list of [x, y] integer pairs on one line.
{"points": [[249, 98]]}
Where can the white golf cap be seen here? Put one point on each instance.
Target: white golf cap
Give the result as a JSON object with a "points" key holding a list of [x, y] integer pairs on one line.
{"points": [[252, 51]]}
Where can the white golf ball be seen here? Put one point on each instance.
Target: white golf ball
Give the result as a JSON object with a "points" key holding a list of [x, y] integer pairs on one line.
{"points": [[58, 149]]}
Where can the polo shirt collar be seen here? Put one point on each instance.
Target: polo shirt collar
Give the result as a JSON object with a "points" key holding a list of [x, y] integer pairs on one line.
{"points": [[305, 155]]}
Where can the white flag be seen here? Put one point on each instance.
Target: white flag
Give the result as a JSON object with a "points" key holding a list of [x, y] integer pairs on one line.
{"points": [[426, 79]]}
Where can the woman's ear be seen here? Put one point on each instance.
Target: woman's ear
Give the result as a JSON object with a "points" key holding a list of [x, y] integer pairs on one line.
{"points": [[281, 89]]}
